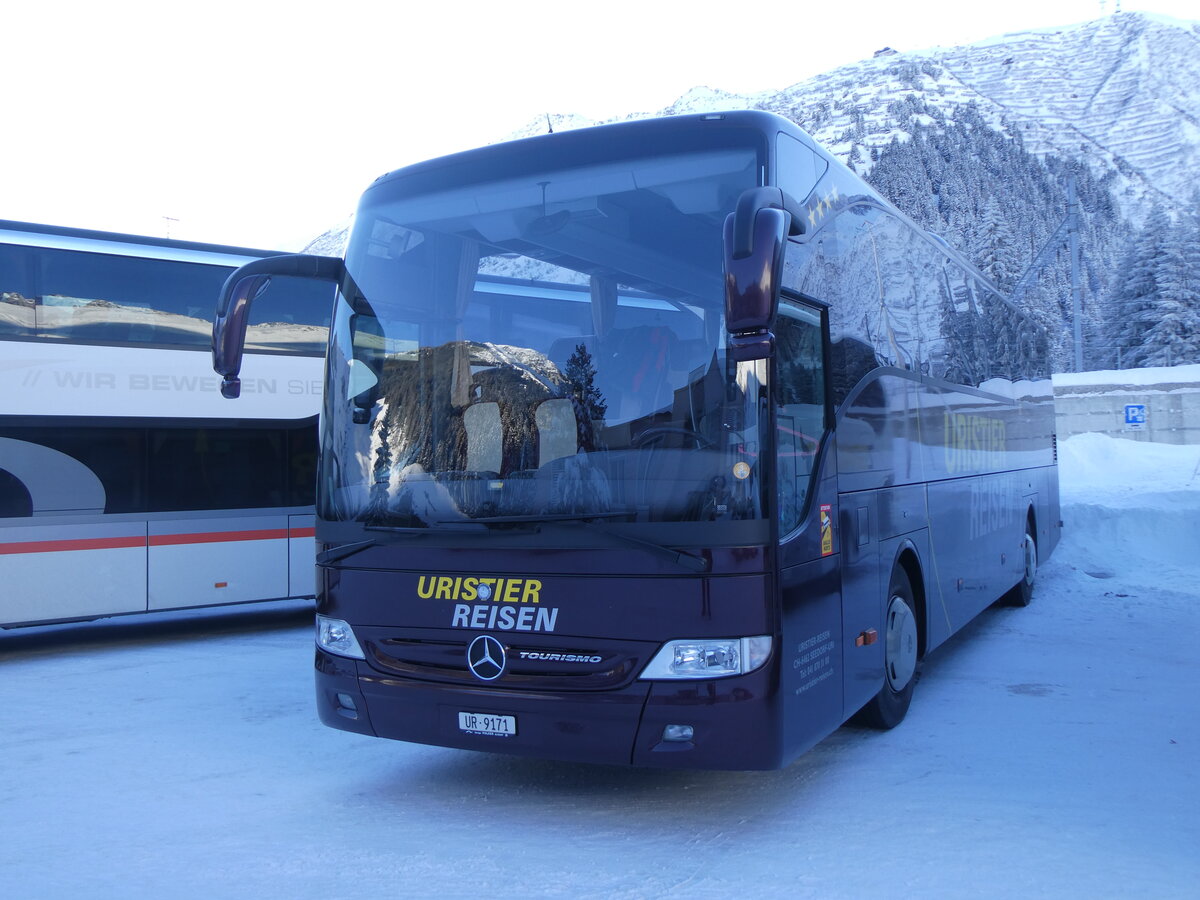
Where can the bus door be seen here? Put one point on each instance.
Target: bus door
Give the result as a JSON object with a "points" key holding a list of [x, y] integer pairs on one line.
{"points": [[811, 652]]}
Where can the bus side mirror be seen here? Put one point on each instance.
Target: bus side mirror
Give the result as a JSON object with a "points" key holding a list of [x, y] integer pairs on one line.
{"points": [[362, 390], [755, 240], [238, 293]]}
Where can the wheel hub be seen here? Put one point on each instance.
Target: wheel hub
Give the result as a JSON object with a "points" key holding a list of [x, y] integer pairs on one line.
{"points": [[1030, 549], [900, 647]]}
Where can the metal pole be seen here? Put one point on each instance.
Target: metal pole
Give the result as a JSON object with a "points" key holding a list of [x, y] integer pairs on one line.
{"points": [[1076, 291]]}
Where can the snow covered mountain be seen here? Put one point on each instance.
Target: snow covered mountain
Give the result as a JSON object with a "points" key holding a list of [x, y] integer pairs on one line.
{"points": [[978, 143], [1121, 93]]}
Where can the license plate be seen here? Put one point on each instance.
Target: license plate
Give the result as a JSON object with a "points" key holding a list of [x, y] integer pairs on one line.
{"points": [[485, 723]]}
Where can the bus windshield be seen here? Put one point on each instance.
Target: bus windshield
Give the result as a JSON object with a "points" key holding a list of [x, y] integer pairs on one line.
{"points": [[543, 347]]}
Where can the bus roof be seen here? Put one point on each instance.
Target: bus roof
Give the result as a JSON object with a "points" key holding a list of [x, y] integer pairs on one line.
{"points": [[85, 239], [639, 133]]}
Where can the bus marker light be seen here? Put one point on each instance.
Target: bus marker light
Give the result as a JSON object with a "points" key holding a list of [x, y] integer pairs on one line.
{"points": [[221, 584], [866, 638]]}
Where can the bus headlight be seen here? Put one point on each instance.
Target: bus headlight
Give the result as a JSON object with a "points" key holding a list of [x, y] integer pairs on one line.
{"points": [[708, 658], [336, 636]]}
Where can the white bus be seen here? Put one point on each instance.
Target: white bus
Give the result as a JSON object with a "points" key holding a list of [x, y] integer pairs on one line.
{"points": [[117, 494]]}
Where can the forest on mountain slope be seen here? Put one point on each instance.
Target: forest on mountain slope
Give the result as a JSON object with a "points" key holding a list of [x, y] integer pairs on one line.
{"points": [[980, 189]]}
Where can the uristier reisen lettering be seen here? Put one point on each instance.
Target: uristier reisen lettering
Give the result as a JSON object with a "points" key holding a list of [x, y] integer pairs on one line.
{"points": [[503, 618]]}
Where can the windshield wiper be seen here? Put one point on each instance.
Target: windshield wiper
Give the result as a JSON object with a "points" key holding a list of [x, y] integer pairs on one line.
{"points": [[534, 522], [435, 526], [537, 519], [680, 557], [333, 554], [342, 551]]}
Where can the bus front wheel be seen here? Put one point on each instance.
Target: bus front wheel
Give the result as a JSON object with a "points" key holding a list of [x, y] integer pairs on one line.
{"points": [[900, 649]]}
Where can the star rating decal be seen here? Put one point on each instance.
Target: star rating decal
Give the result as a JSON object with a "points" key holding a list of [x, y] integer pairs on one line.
{"points": [[821, 208]]}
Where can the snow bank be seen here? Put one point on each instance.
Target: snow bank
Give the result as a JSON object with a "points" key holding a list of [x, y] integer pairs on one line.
{"points": [[1169, 376], [1126, 472], [1131, 503]]}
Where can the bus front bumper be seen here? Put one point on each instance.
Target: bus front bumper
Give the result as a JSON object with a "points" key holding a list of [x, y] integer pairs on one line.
{"points": [[727, 723]]}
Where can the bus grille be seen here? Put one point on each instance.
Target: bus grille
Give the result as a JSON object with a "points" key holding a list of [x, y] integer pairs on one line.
{"points": [[590, 665]]}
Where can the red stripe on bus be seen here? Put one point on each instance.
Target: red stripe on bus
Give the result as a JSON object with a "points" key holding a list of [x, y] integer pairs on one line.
{"points": [[116, 543], [217, 537], [156, 540]]}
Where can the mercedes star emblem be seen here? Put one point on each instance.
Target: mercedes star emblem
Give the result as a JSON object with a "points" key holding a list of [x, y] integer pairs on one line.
{"points": [[486, 658]]}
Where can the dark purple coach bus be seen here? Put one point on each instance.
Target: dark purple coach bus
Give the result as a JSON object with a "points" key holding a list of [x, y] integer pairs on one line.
{"points": [[664, 443]]}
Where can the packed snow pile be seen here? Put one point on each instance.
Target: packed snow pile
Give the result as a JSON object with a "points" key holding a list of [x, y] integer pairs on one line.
{"points": [[1097, 468], [1125, 381], [1124, 500]]}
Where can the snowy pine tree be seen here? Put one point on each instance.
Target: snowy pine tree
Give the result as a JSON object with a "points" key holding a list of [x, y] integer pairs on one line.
{"points": [[588, 402], [993, 248], [1173, 337], [381, 472], [1136, 294]]}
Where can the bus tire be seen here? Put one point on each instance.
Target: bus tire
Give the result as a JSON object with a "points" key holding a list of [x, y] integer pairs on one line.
{"points": [[1022, 593], [900, 657]]}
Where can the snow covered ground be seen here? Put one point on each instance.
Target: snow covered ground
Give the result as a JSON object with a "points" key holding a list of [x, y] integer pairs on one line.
{"points": [[1052, 751]]}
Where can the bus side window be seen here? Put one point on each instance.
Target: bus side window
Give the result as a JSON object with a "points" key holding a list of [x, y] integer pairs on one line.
{"points": [[838, 266], [800, 396], [18, 295]]}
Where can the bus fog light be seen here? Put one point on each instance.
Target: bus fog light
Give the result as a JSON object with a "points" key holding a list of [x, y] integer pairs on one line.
{"points": [[678, 733], [346, 702], [337, 636], [708, 658]]}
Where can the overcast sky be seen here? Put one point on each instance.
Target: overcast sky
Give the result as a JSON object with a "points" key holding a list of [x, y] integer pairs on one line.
{"points": [[259, 122]]}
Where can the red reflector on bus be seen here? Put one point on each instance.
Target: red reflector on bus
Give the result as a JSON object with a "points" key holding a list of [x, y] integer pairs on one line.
{"points": [[221, 584]]}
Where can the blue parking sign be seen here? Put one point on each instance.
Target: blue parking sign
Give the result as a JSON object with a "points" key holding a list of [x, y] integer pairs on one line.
{"points": [[1135, 416]]}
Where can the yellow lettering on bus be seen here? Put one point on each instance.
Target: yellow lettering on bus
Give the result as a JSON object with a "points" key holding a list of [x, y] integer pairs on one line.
{"points": [[973, 442], [469, 587]]}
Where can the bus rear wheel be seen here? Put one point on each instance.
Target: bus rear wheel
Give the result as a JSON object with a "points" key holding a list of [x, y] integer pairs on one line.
{"points": [[1022, 593], [900, 650]]}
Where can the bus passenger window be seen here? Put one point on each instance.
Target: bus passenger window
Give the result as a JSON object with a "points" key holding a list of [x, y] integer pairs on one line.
{"points": [[800, 395]]}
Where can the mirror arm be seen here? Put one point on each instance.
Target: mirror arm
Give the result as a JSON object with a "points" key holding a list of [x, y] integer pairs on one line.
{"points": [[748, 205], [239, 292]]}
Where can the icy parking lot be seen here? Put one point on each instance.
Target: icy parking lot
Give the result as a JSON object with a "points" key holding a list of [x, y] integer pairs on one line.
{"points": [[1050, 751]]}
